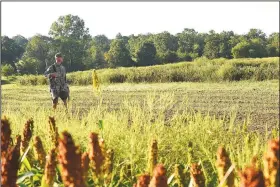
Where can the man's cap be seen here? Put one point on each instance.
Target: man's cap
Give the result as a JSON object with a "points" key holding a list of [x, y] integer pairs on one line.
{"points": [[57, 55]]}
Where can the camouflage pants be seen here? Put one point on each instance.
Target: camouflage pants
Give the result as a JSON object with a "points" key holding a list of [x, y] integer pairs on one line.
{"points": [[62, 94]]}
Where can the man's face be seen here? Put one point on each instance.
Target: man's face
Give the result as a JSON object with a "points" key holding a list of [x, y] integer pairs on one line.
{"points": [[59, 60]]}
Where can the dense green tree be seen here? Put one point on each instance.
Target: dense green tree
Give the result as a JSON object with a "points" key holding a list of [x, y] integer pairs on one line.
{"points": [[20, 41], [252, 45], [7, 69], [94, 58], [249, 49], [241, 50], [225, 46], [166, 46], [69, 36], [273, 44], [256, 33], [187, 44], [39, 49], [69, 26], [118, 55], [146, 55], [28, 65], [10, 51], [136, 42], [101, 42], [257, 48], [212, 45], [72, 40]]}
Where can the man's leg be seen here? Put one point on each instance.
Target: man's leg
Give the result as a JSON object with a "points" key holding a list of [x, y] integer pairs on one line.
{"points": [[65, 103], [64, 96], [55, 101], [54, 98]]}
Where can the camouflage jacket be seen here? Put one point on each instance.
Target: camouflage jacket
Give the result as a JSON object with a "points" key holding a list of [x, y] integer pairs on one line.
{"points": [[59, 82]]}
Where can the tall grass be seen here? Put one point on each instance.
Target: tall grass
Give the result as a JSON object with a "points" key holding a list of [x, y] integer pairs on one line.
{"points": [[201, 70]]}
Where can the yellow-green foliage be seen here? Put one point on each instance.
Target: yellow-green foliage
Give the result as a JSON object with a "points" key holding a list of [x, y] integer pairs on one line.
{"points": [[201, 70]]}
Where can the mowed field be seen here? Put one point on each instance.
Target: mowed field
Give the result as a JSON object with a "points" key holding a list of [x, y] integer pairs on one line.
{"points": [[257, 102]]}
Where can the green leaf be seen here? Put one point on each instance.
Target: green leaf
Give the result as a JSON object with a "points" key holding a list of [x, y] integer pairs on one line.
{"points": [[24, 161], [37, 175], [22, 185], [58, 169], [35, 170], [100, 124], [24, 176], [26, 164], [24, 155]]}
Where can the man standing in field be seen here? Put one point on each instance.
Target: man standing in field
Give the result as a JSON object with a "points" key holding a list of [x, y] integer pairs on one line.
{"points": [[58, 85]]}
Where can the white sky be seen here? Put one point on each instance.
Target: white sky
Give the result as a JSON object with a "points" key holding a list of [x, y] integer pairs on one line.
{"points": [[109, 18]]}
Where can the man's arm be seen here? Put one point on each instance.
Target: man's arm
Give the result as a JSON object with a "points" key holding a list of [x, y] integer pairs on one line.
{"points": [[49, 73]]}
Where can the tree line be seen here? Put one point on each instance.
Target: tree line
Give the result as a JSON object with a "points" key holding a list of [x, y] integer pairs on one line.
{"points": [[81, 51]]}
